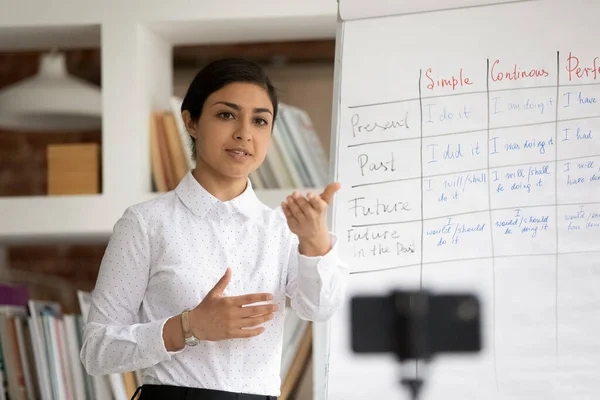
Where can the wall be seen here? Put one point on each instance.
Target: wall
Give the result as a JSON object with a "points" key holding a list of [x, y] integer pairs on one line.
{"points": [[3, 261]]}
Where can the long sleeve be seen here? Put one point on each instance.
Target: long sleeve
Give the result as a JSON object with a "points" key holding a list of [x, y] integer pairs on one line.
{"points": [[316, 285], [113, 340]]}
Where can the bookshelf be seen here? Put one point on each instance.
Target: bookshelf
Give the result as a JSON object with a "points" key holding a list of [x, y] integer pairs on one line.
{"points": [[136, 40]]}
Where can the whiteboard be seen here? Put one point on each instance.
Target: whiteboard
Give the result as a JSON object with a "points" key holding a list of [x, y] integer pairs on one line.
{"points": [[467, 142]]}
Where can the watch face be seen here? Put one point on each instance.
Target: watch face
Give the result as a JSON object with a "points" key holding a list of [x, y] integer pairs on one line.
{"points": [[191, 341]]}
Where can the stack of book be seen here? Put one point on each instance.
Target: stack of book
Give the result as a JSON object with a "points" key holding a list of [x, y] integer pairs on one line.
{"points": [[39, 353], [295, 159], [170, 150], [297, 350], [40, 347]]}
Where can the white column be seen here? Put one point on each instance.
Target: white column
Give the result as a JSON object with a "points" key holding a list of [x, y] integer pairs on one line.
{"points": [[136, 78]]}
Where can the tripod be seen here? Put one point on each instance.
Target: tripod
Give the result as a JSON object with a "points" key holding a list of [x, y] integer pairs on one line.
{"points": [[416, 326], [414, 386]]}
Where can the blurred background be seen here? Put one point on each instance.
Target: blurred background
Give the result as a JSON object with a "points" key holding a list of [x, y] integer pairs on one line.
{"points": [[66, 174]]}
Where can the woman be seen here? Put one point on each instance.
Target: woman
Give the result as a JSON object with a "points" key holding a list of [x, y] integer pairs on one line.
{"points": [[193, 284]]}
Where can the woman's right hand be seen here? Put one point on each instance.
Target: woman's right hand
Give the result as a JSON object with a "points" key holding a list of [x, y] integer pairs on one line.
{"points": [[219, 317]]}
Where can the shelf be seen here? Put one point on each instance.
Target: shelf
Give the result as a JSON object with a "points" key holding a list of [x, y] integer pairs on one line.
{"points": [[178, 21], [246, 30], [78, 219], [136, 39], [55, 218]]}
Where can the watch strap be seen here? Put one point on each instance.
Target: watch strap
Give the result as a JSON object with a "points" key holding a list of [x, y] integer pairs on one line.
{"points": [[185, 322]]}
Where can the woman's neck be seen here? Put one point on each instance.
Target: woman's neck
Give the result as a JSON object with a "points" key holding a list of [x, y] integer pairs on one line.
{"points": [[222, 187]]}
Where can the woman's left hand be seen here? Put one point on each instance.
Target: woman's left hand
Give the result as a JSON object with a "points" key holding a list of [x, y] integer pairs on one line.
{"points": [[306, 216]]}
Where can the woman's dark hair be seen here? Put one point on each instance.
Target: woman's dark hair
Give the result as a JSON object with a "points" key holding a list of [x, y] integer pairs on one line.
{"points": [[219, 74]]}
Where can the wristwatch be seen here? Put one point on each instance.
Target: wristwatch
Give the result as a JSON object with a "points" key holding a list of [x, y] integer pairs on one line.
{"points": [[190, 339]]}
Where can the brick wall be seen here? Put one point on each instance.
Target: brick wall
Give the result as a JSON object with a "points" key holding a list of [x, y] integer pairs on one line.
{"points": [[23, 159], [54, 272]]}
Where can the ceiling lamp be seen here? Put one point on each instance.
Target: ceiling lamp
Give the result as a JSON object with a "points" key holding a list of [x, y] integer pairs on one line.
{"points": [[51, 100]]}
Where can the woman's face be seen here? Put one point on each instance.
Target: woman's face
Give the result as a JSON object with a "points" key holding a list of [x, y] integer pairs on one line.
{"points": [[234, 130]]}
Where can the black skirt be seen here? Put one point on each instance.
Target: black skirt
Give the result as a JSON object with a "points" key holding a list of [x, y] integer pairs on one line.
{"points": [[166, 392]]}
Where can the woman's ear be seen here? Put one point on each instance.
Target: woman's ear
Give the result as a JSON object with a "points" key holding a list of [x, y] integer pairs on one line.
{"points": [[190, 125]]}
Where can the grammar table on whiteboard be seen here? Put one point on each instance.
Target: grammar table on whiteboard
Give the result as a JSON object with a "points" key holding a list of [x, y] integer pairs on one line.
{"points": [[509, 164], [476, 172]]}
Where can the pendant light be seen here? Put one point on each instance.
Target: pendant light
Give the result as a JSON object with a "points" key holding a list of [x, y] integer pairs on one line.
{"points": [[51, 100]]}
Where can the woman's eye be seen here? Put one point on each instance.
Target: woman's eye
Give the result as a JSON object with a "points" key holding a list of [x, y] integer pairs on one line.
{"points": [[261, 121], [225, 115]]}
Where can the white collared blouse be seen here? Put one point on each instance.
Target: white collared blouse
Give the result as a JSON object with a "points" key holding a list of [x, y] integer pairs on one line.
{"points": [[167, 253]]}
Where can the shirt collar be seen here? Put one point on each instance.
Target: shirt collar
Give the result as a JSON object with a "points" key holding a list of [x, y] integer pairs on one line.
{"points": [[200, 201]]}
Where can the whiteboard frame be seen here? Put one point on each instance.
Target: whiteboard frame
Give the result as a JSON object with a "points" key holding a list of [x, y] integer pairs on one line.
{"points": [[321, 330]]}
